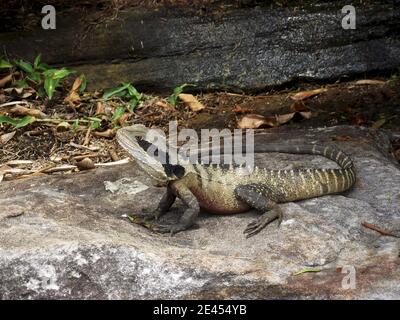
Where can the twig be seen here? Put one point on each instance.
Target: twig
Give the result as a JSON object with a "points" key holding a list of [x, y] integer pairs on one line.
{"points": [[12, 103], [87, 136], [378, 229], [79, 146], [114, 163]]}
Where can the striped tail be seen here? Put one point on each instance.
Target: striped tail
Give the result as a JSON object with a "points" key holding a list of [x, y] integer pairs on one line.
{"points": [[332, 180]]}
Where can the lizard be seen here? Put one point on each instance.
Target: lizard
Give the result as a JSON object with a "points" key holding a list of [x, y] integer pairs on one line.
{"points": [[223, 189]]}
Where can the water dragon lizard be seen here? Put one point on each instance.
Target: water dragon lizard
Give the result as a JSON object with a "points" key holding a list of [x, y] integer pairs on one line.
{"points": [[224, 189]]}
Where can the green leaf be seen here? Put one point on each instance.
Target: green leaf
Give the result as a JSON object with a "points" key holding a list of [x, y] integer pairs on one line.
{"points": [[50, 86], [118, 113], [173, 98], [4, 64], [132, 104], [64, 125], [34, 76], [57, 73], [306, 270], [21, 83], [75, 125], [36, 63], [24, 66], [133, 92], [112, 92], [95, 124], [83, 86], [41, 92], [43, 67], [17, 123]]}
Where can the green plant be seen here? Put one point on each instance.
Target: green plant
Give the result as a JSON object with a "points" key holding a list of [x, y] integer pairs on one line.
{"points": [[46, 79], [173, 98], [125, 90], [17, 123], [5, 64]]}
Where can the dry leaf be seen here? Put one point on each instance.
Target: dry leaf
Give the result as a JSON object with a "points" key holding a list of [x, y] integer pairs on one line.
{"points": [[73, 97], [307, 94], [254, 121], [109, 133], [298, 106], [4, 138], [306, 114], [24, 111], [372, 82], [99, 107], [122, 119], [164, 105], [283, 118], [191, 102], [240, 109], [5, 80], [378, 123], [77, 83]]}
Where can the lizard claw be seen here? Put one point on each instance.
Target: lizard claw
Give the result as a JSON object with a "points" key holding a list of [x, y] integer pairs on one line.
{"points": [[260, 223], [171, 229]]}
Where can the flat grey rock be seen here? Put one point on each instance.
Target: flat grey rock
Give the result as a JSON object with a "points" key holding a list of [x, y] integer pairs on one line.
{"points": [[65, 236]]}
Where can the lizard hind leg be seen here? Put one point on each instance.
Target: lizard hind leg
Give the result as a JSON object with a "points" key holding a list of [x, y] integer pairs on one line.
{"points": [[259, 197]]}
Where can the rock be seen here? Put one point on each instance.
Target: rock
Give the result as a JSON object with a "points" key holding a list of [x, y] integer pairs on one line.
{"points": [[220, 48], [64, 236]]}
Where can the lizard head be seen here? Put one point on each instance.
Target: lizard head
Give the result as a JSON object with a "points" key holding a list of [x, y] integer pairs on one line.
{"points": [[135, 140]]}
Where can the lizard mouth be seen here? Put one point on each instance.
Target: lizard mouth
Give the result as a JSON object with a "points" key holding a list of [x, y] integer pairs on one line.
{"points": [[133, 140]]}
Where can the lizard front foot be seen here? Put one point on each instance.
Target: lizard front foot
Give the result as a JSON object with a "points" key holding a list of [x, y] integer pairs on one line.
{"points": [[169, 228], [260, 223], [145, 218]]}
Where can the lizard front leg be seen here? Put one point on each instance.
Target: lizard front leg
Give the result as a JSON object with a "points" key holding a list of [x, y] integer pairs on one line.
{"points": [[189, 216], [261, 198], [165, 203]]}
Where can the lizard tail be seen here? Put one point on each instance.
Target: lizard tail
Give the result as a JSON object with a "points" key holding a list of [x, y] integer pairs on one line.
{"points": [[331, 153]]}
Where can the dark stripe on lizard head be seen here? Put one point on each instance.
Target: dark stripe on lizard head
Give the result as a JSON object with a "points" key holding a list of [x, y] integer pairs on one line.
{"points": [[171, 170]]}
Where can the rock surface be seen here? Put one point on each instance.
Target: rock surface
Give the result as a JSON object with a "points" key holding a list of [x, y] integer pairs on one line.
{"points": [[220, 47], [65, 237]]}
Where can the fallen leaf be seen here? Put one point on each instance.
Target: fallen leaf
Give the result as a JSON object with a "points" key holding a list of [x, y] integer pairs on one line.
{"points": [[307, 94], [306, 270], [191, 102], [164, 105], [109, 133], [240, 109], [254, 121], [77, 83], [283, 118], [378, 123], [99, 107], [298, 106], [5, 80], [24, 111], [73, 97], [306, 114], [4, 138], [372, 82]]}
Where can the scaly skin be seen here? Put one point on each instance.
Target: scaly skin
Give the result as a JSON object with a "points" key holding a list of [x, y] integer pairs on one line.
{"points": [[228, 190]]}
